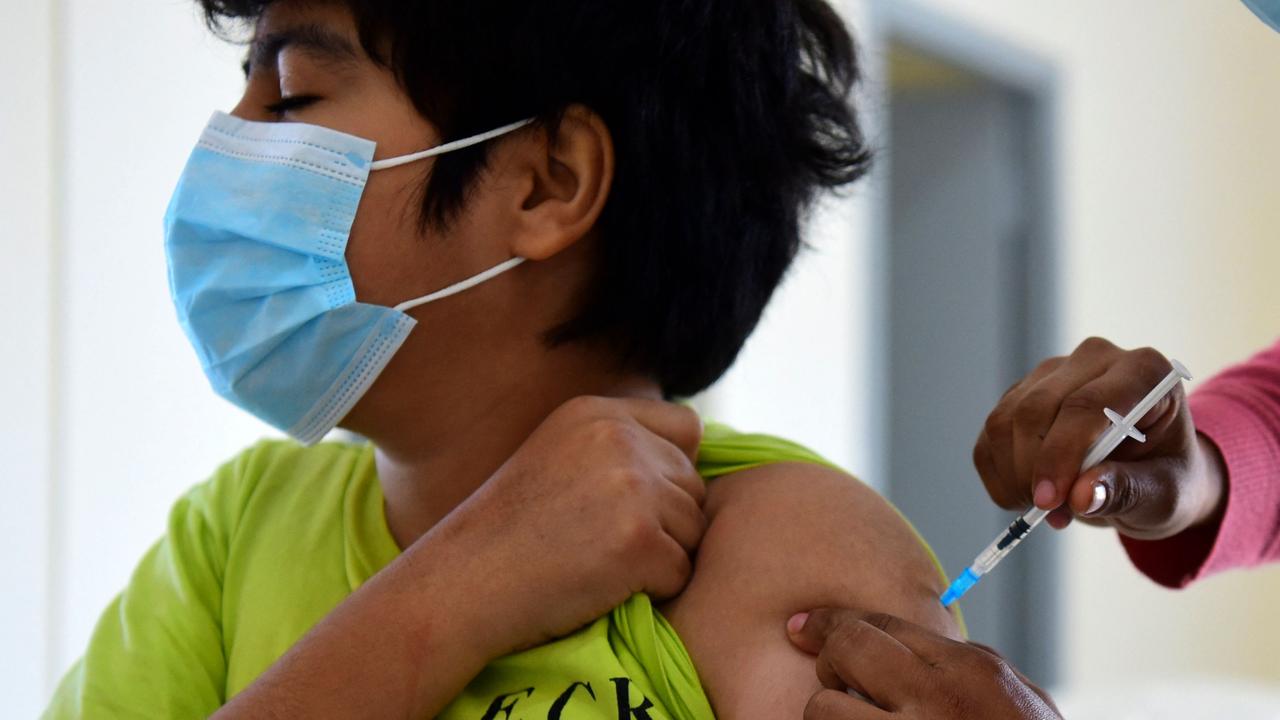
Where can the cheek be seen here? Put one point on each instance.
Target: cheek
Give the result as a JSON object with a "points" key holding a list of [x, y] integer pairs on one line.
{"points": [[384, 249]]}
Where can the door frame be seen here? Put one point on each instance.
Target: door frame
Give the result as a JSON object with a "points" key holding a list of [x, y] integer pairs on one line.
{"points": [[1033, 76]]}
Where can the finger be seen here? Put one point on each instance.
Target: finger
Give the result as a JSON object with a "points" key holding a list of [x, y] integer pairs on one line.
{"points": [[1059, 518], [829, 704], [854, 653], [670, 571], [859, 656], [993, 452], [688, 480], [929, 646], [986, 648], [1037, 410], [681, 515], [1025, 680], [1138, 498], [1010, 496], [810, 631], [1038, 373], [672, 463], [677, 424], [1088, 495], [998, 431], [1081, 420]]}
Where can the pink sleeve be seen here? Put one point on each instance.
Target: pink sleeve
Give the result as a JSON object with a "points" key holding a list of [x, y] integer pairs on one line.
{"points": [[1239, 411]]}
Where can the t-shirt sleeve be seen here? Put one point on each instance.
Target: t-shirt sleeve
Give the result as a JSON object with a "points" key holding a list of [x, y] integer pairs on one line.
{"points": [[157, 650], [1239, 411]]}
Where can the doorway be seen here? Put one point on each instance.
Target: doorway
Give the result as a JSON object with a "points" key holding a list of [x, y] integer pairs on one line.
{"points": [[969, 301]]}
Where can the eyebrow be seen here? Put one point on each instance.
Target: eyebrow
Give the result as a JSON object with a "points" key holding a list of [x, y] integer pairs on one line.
{"points": [[313, 38]]}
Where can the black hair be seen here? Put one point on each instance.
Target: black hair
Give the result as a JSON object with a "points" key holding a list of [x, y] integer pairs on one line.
{"points": [[727, 118]]}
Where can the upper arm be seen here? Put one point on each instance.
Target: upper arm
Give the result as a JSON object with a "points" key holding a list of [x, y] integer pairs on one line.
{"points": [[783, 539]]}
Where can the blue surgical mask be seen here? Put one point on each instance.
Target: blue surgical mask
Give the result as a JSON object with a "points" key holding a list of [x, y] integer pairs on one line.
{"points": [[256, 237], [1268, 10]]}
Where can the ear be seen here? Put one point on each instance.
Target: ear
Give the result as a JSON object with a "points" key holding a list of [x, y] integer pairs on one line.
{"points": [[563, 183]]}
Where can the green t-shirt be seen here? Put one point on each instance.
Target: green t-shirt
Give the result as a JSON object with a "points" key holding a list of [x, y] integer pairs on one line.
{"points": [[280, 535]]}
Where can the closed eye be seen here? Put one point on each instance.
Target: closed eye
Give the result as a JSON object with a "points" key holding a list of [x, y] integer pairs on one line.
{"points": [[293, 102]]}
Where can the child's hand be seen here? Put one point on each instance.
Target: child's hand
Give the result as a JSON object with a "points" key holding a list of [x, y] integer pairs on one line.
{"points": [[602, 501]]}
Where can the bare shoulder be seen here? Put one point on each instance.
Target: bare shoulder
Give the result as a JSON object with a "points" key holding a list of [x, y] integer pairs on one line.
{"points": [[788, 538]]}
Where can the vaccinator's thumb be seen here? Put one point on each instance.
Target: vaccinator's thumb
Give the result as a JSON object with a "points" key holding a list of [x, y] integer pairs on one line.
{"points": [[1136, 497]]}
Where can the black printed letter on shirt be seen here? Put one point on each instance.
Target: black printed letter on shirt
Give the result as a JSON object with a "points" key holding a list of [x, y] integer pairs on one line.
{"points": [[497, 707], [557, 707], [625, 711]]}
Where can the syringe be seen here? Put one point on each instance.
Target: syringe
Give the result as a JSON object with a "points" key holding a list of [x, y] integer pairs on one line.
{"points": [[1121, 427]]}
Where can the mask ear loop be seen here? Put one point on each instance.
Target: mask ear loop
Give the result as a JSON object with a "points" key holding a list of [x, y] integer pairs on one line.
{"points": [[440, 150], [448, 147], [459, 287]]}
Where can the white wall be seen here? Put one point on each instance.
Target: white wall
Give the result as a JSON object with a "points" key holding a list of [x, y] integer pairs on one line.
{"points": [[1170, 169], [28, 247]]}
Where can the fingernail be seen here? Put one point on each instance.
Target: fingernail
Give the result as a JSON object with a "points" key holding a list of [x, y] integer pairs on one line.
{"points": [[1099, 498], [1044, 493], [796, 623]]}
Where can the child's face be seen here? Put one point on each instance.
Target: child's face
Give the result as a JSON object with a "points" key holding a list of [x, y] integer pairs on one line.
{"points": [[534, 199], [306, 65]]}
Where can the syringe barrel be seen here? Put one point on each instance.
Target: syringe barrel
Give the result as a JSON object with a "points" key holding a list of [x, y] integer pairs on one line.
{"points": [[1102, 447], [988, 558], [1008, 540]]}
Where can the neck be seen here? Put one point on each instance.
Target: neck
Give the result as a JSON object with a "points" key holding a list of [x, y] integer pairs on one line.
{"points": [[437, 442]]}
